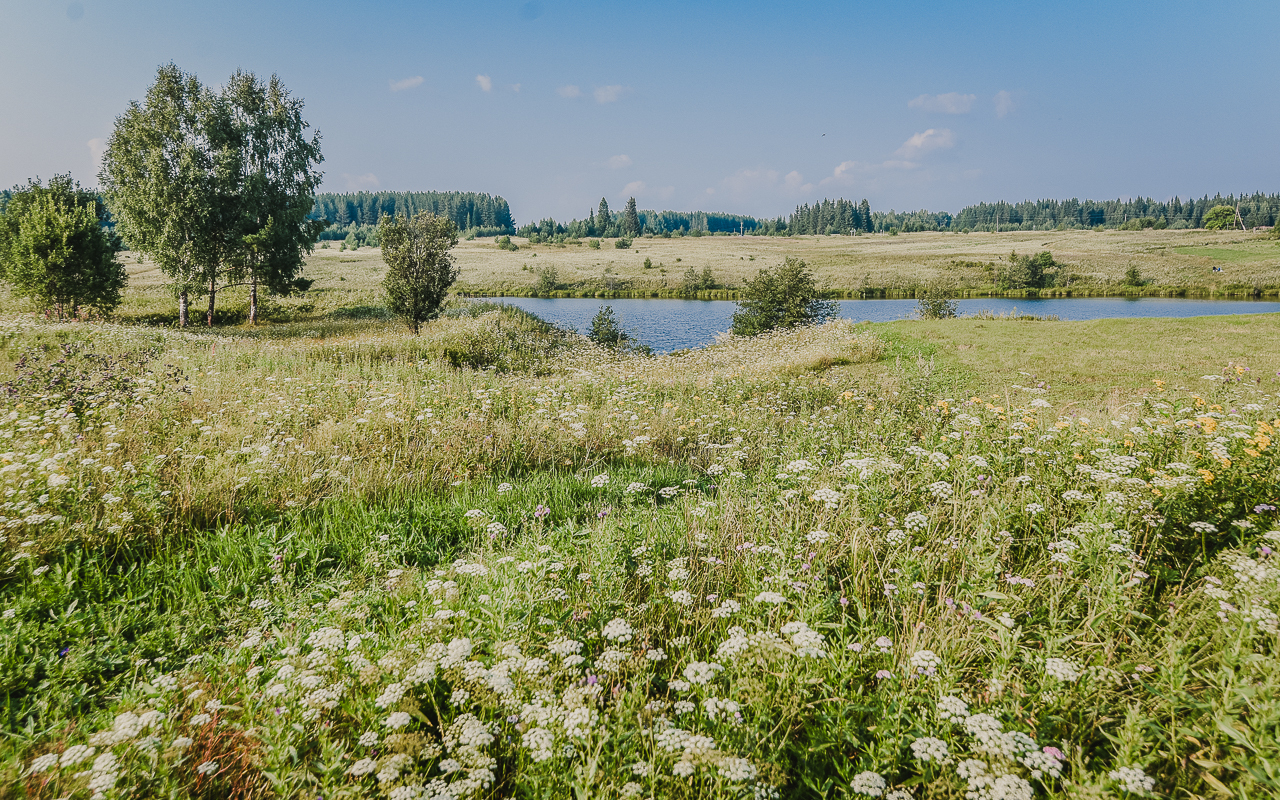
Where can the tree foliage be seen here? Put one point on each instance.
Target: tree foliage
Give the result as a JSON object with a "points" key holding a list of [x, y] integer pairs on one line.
{"points": [[936, 302], [631, 219], [781, 298], [216, 186], [1220, 218], [55, 249], [420, 268]]}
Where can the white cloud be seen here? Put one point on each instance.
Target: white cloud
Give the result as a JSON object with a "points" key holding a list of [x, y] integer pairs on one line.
{"points": [[96, 148], [608, 94], [618, 162], [949, 103], [1004, 103], [485, 83], [358, 182], [932, 139], [632, 189], [569, 91], [407, 83]]}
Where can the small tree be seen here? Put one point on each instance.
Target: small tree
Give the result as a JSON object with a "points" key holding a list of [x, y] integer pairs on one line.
{"points": [[781, 298], [420, 269], [936, 303], [1220, 218], [605, 329], [54, 249]]}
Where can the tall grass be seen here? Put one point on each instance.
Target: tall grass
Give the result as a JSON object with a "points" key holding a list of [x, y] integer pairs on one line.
{"points": [[801, 565]]}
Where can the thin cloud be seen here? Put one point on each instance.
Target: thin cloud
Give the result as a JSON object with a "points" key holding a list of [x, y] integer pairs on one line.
{"points": [[620, 161], [485, 83], [358, 182], [949, 103], [632, 189], [764, 182], [96, 148], [609, 94], [1004, 103], [932, 139], [515, 87], [407, 83], [569, 91]]}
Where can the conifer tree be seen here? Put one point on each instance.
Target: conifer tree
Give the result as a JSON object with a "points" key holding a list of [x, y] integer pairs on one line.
{"points": [[631, 219], [603, 218]]}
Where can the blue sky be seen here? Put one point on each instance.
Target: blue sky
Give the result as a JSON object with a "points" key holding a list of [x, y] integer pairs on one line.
{"points": [[713, 106]]}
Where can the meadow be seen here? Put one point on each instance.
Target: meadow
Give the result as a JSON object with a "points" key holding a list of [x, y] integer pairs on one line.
{"points": [[990, 559]]}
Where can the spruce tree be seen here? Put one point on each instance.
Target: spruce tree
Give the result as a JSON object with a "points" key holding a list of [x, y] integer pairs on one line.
{"points": [[864, 211], [631, 219], [603, 218]]}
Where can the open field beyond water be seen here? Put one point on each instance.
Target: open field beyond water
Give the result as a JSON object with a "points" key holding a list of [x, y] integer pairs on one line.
{"points": [[964, 558]]}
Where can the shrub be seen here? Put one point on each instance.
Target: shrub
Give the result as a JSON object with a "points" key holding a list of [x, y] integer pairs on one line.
{"points": [[622, 244], [1133, 277], [594, 244], [781, 298], [505, 243], [936, 303], [548, 281]]}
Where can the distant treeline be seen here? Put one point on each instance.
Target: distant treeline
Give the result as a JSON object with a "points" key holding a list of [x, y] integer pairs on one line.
{"points": [[1255, 210], [474, 212]]}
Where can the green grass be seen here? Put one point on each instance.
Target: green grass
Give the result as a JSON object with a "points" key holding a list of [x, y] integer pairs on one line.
{"points": [[852, 523], [1226, 254]]}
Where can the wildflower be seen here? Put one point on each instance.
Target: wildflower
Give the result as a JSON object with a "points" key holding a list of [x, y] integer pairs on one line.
{"points": [[182, 742], [928, 748], [738, 769], [600, 481], [1133, 780], [726, 608], [884, 675], [871, 784], [884, 643], [200, 720], [701, 672], [364, 766], [368, 739], [539, 742], [207, 768], [503, 488], [817, 537], [42, 763], [656, 654], [770, 597], [496, 529], [952, 708], [682, 597], [398, 719], [1034, 508], [1062, 670], [925, 662]]}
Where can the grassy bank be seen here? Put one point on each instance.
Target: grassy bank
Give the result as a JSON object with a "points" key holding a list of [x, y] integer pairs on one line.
{"points": [[917, 559]]}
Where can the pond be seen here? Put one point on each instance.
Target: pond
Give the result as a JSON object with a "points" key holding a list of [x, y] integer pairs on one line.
{"points": [[667, 325]]}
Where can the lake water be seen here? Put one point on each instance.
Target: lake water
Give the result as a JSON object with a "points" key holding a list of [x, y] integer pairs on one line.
{"points": [[667, 325]]}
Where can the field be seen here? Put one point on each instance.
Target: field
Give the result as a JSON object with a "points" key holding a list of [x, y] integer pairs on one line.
{"points": [[347, 284], [966, 558]]}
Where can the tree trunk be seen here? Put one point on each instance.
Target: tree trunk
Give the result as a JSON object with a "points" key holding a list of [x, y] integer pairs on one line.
{"points": [[253, 301], [183, 318], [213, 295]]}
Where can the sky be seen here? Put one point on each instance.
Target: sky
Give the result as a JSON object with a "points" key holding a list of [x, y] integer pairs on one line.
{"points": [[740, 107]]}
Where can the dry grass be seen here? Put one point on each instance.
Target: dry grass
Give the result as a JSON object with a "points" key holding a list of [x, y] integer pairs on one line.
{"points": [[1168, 258], [348, 284]]}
